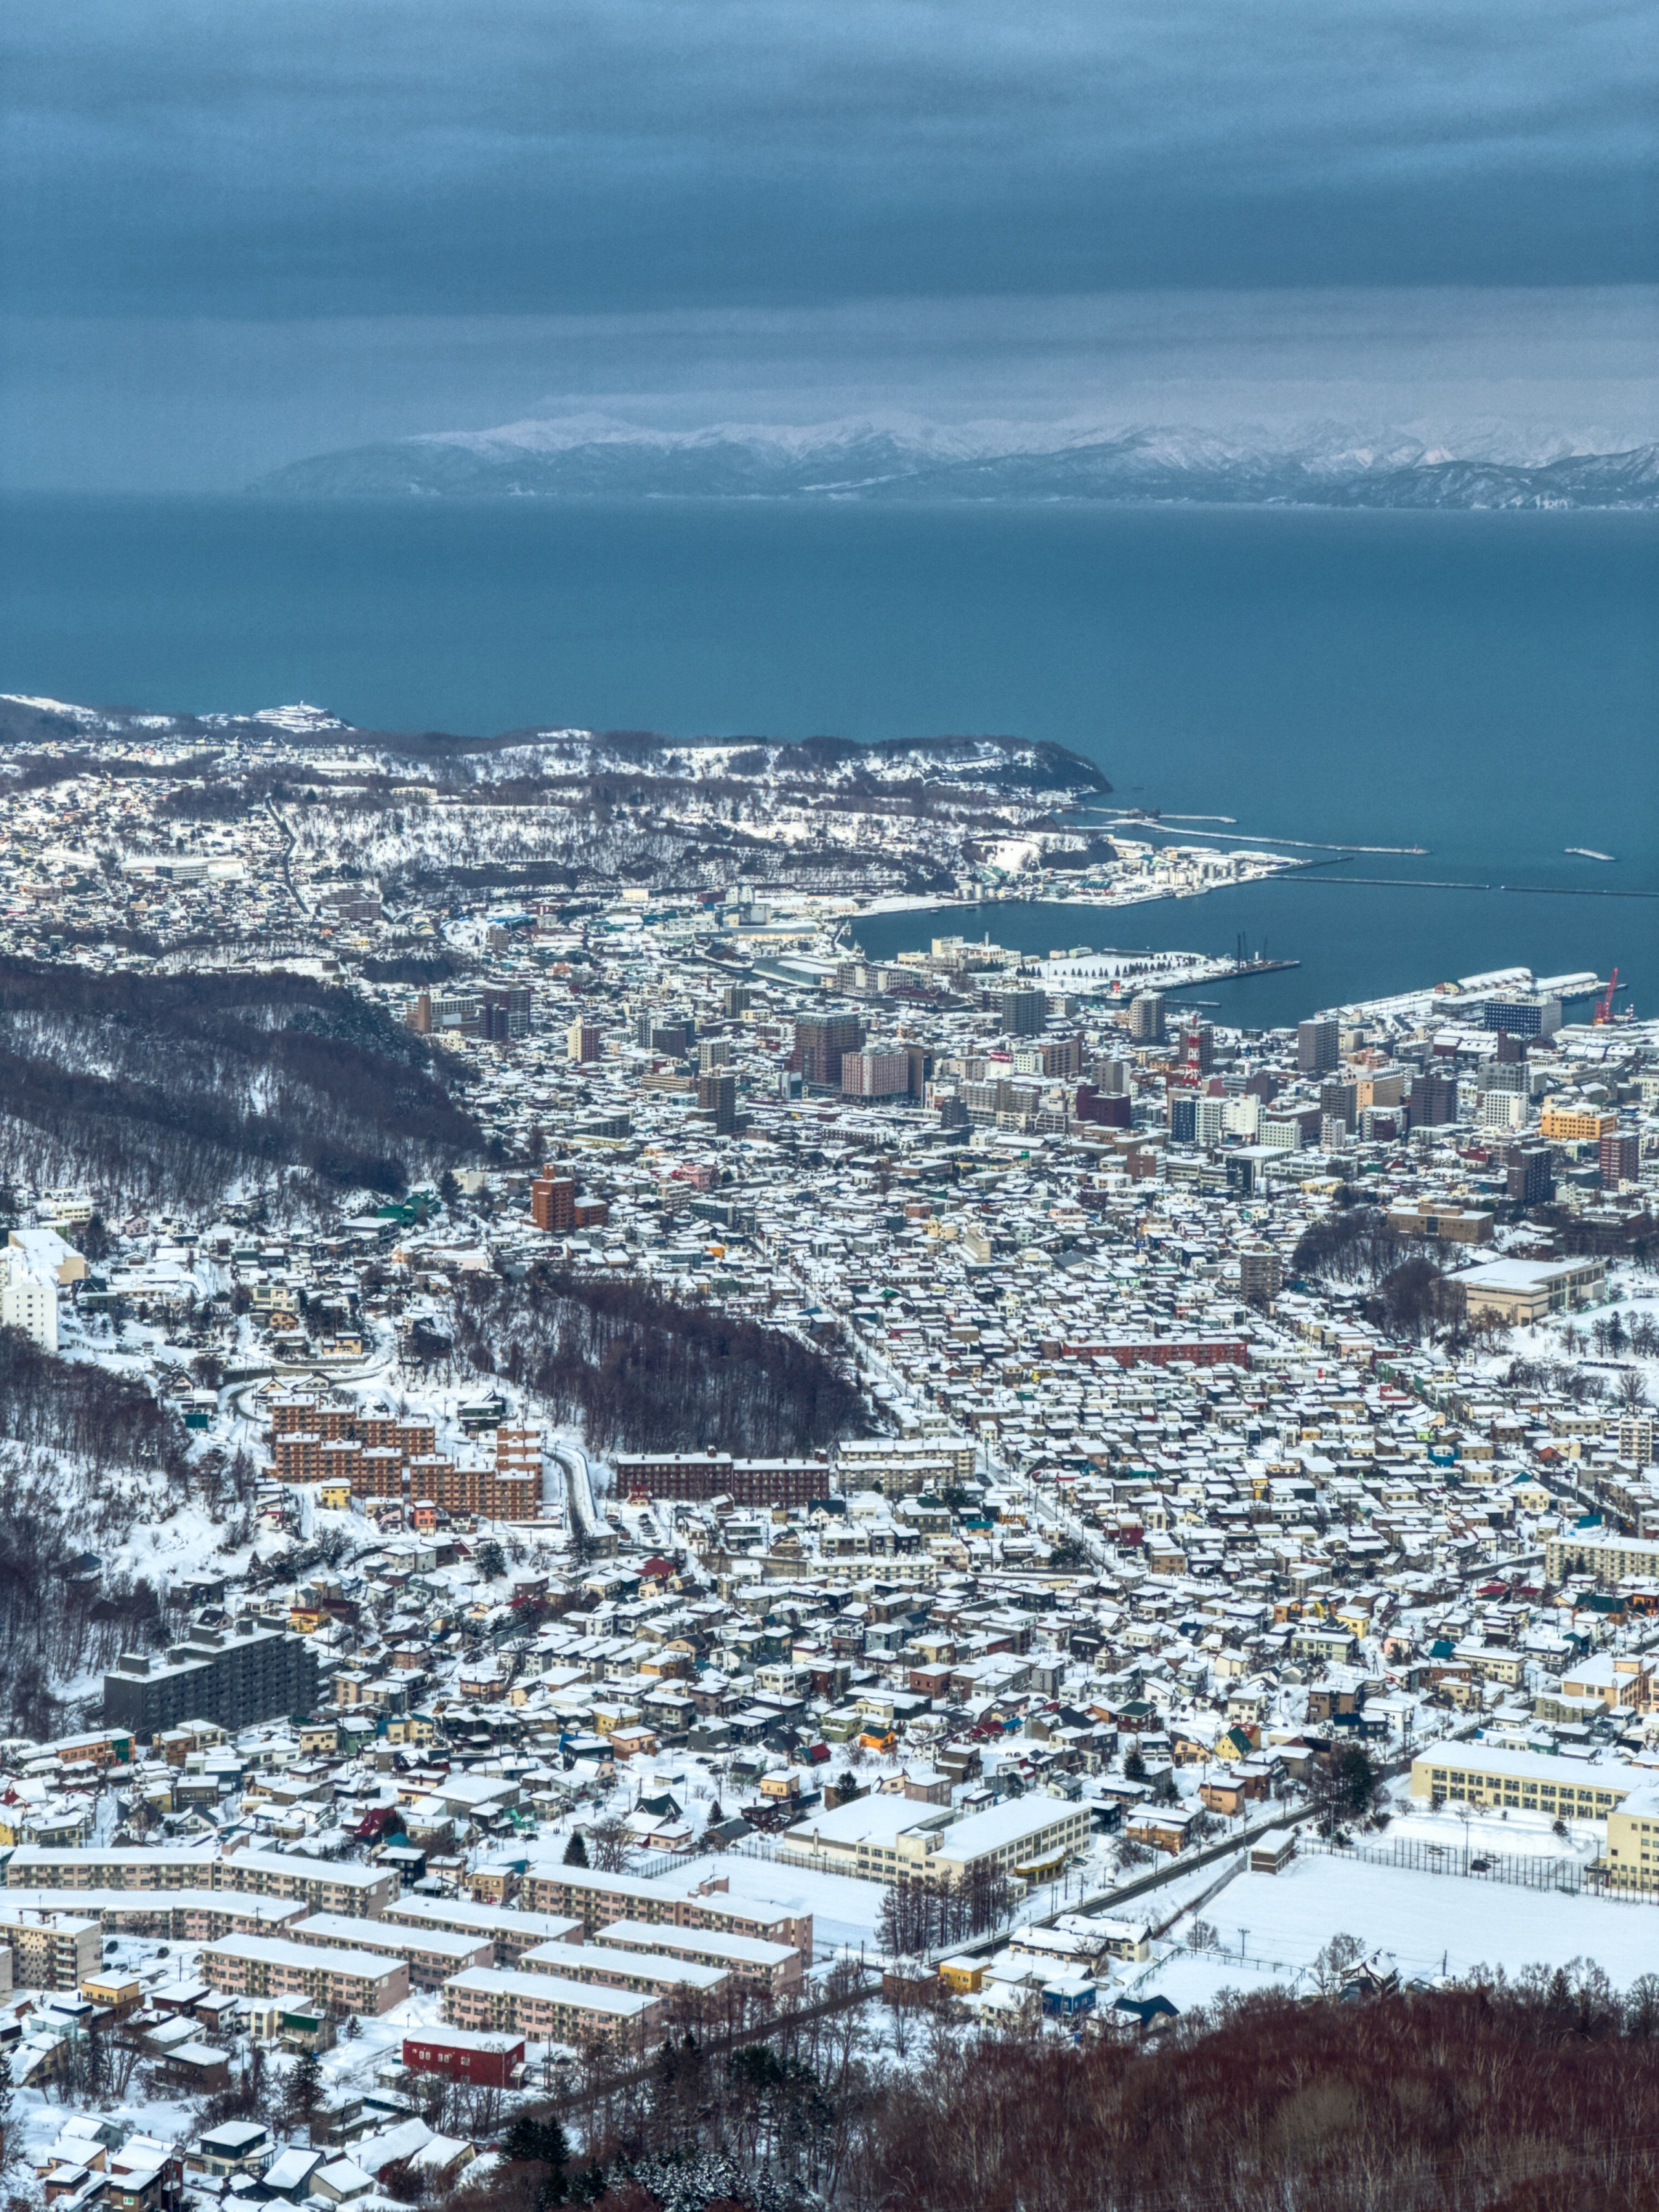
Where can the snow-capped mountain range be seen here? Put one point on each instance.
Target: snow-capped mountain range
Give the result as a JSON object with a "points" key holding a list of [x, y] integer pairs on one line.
{"points": [[905, 458]]}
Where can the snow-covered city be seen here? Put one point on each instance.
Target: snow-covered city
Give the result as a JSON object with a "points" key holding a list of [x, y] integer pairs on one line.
{"points": [[590, 1475]]}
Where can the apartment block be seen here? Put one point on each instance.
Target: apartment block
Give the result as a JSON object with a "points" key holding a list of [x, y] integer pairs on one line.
{"points": [[50, 1950], [546, 2009], [232, 1676], [356, 1981]]}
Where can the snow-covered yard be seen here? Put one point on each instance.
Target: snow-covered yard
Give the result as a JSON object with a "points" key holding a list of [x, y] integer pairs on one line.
{"points": [[1425, 1924]]}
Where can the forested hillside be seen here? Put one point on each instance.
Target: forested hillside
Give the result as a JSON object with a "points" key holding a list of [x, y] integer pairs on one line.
{"points": [[172, 1089], [641, 1372], [1538, 2096]]}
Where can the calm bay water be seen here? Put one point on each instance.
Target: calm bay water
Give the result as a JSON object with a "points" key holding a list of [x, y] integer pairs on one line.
{"points": [[1485, 686]]}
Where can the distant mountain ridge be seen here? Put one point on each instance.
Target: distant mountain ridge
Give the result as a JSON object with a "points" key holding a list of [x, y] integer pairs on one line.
{"points": [[901, 459]]}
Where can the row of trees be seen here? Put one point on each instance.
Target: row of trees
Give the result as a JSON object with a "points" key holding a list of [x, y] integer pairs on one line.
{"points": [[918, 1916]]}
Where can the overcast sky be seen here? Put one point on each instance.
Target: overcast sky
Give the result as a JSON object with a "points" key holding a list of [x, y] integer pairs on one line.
{"points": [[236, 233]]}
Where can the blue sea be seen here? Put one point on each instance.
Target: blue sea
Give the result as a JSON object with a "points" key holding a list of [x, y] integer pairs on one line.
{"points": [[1483, 686]]}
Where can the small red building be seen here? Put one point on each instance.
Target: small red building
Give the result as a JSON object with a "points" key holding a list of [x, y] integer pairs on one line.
{"points": [[464, 2054]]}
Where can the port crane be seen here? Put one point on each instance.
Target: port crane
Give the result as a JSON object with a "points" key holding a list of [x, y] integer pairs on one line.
{"points": [[1603, 1013]]}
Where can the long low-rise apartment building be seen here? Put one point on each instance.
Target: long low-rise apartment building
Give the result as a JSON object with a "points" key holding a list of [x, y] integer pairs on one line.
{"points": [[597, 1899], [180, 1916], [655, 1972], [325, 1887], [704, 1474], [1482, 1774], [1609, 1557], [432, 1955], [266, 1967], [775, 1966], [547, 2009], [511, 1934]]}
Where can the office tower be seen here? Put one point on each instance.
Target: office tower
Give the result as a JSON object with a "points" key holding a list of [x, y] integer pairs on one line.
{"points": [[1111, 1074], [1511, 1075], [1183, 1118], [1523, 1016], [504, 1011], [669, 1033], [583, 1041], [876, 1072], [713, 1052], [1317, 1047], [1210, 1122], [1110, 1109], [1146, 1017]]}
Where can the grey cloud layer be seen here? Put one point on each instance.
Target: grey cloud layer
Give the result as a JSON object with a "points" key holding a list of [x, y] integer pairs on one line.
{"points": [[320, 156], [156, 403]]}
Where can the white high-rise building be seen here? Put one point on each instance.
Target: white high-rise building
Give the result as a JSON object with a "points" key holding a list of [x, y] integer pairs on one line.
{"points": [[27, 1303]]}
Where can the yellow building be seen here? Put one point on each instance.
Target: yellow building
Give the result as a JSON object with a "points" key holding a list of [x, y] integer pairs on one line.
{"points": [[1575, 1125], [1482, 1776], [1632, 1854]]}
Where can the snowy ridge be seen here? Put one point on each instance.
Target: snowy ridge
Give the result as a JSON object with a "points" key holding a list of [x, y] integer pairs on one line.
{"points": [[1481, 465]]}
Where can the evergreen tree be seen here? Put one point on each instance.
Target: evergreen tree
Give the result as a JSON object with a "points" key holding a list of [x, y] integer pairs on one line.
{"points": [[535, 2142], [303, 2091], [575, 1852]]}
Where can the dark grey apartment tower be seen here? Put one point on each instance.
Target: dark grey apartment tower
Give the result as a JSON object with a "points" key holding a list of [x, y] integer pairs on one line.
{"points": [[820, 1041], [247, 1671], [1023, 1013], [1529, 1179], [1316, 1047], [1433, 1101], [1341, 1102], [717, 1096], [1146, 1017]]}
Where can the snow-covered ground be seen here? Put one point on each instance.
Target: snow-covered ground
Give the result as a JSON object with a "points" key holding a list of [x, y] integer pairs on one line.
{"points": [[1425, 1924], [844, 1910]]}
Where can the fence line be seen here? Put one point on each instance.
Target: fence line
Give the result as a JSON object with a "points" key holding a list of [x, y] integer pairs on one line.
{"points": [[1473, 1864]]}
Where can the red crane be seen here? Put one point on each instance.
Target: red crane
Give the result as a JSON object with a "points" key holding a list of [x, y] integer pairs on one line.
{"points": [[1604, 1004]]}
